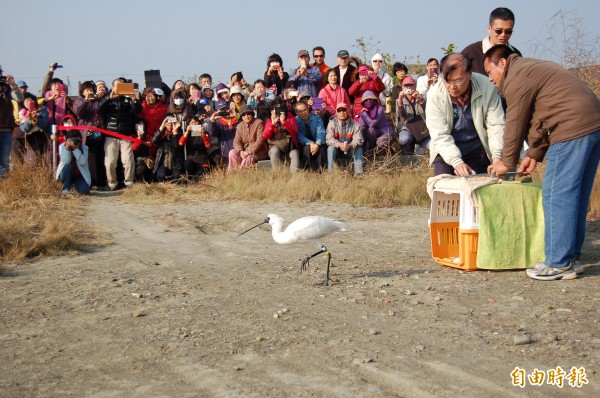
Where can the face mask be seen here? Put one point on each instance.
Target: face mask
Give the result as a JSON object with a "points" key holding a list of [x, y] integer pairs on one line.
{"points": [[369, 104], [178, 101]]}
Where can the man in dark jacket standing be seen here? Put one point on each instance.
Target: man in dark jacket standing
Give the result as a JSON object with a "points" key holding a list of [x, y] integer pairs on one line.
{"points": [[559, 116], [344, 71], [8, 92], [500, 28], [118, 113]]}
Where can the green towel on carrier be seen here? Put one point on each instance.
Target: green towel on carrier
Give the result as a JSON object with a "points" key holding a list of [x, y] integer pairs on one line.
{"points": [[511, 225]]}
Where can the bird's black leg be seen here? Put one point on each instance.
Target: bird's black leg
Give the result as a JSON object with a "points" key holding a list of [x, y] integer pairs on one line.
{"points": [[306, 262], [327, 278]]}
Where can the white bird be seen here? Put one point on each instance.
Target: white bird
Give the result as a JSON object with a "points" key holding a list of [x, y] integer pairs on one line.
{"points": [[305, 229]]}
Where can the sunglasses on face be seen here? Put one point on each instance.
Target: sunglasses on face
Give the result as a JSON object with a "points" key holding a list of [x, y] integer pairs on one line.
{"points": [[342, 110], [500, 31], [318, 56]]}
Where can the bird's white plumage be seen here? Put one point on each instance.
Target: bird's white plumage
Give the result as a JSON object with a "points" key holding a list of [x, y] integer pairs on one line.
{"points": [[305, 229]]}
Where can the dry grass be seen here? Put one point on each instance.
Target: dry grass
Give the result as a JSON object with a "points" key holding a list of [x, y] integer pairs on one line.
{"points": [[36, 220], [396, 186]]}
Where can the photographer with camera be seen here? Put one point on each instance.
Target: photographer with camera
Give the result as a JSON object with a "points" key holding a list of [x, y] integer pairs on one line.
{"points": [[8, 92], [86, 108], [55, 94], [410, 109], [280, 133], [196, 140], [169, 159], [275, 77], [73, 168], [308, 77], [364, 79], [221, 126], [118, 114]]}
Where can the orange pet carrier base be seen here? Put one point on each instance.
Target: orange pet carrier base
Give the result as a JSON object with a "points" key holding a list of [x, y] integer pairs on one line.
{"points": [[454, 230]]}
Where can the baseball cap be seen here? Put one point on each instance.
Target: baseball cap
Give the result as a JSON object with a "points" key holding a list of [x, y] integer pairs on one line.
{"points": [[244, 109], [341, 105], [408, 80], [157, 91], [222, 104], [21, 83], [291, 84], [343, 54], [303, 53]]}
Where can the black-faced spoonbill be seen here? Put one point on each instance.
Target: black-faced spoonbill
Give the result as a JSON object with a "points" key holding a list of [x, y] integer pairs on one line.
{"points": [[305, 229]]}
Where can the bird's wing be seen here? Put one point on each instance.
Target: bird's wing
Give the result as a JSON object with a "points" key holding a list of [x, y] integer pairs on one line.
{"points": [[313, 227]]}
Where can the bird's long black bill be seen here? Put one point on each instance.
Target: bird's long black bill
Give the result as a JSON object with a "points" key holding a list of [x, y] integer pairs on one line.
{"points": [[257, 225]]}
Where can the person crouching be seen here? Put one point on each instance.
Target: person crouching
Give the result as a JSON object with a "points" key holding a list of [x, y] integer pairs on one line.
{"points": [[73, 168]]}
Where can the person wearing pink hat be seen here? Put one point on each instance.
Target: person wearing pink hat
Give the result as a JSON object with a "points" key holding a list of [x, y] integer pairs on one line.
{"points": [[410, 110], [364, 80]]}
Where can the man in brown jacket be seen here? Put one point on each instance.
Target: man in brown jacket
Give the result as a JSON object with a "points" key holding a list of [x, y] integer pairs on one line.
{"points": [[249, 146], [559, 116]]}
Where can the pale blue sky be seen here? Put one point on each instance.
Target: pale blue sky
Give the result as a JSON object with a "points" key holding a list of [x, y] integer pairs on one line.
{"points": [[107, 38]]}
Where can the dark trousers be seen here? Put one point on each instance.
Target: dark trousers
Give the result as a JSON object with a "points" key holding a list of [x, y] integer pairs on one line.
{"points": [[313, 162], [477, 160], [67, 176]]}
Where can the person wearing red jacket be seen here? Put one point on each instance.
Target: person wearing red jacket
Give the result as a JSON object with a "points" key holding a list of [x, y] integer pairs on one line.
{"points": [[280, 133], [152, 114], [367, 80]]}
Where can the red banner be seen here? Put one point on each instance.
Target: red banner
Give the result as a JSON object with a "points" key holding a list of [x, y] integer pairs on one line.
{"points": [[107, 132]]}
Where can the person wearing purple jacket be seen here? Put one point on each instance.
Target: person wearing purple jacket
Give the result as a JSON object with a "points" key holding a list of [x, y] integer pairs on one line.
{"points": [[376, 129]]}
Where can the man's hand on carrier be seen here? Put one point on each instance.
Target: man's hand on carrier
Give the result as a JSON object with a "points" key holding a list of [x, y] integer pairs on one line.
{"points": [[527, 165], [462, 169], [497, 167]]}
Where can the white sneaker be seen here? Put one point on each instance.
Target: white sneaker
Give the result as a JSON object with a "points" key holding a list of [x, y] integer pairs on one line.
{"points": [[577, 267], [544, 273]]}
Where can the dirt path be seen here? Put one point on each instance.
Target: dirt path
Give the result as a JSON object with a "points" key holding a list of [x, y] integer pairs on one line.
{"points": [[181, 307]]}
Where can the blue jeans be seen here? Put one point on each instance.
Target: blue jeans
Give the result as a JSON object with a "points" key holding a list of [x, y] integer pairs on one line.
{"points": [[68, 179], [5, 147], [570, 170], [334, 153]]}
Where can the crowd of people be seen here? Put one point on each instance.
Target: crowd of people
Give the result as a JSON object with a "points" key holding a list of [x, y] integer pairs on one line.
{"points": [[471, 112], [306, 119]]}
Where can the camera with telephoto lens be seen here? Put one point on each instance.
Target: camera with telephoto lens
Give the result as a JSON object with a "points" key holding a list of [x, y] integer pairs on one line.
{"points": [[223, 112], [3, 79]]}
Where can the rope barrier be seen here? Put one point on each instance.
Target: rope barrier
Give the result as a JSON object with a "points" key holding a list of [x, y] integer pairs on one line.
{"points": [[103, 131]]}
